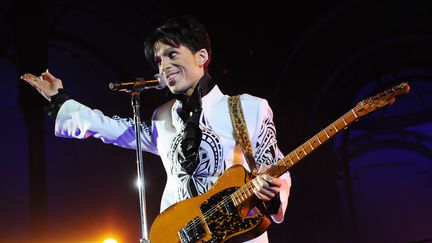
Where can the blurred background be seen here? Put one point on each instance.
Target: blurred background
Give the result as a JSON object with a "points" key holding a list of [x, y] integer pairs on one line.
{"points": [[312, 60]]}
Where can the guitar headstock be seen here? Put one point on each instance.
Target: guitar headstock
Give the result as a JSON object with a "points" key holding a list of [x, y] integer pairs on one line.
{"points": [[381, 100]]}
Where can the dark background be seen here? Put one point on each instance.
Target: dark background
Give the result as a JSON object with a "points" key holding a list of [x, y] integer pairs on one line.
{"points": [[312, 60]]}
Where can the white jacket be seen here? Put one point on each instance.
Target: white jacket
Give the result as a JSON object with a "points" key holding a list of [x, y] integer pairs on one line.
{"points": [[162, 136]]}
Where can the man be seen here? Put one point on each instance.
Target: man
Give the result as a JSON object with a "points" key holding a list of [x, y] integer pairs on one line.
{"points": [[192, 133]]}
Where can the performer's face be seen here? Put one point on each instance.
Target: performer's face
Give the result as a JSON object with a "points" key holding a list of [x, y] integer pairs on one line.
{"points": [[180, 67]]}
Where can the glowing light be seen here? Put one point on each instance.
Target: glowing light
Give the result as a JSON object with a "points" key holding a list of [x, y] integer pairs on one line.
{"points": [[110, 240], [138, 183]]}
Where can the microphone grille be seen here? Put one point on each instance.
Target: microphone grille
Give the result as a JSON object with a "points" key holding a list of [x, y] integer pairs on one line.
{"points": [[162, 82], [111, 86]]}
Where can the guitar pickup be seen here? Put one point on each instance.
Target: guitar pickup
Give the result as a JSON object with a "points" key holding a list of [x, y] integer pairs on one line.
{"points": [[192, 232]]}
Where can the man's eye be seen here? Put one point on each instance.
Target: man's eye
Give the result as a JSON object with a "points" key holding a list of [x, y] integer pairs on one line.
{"points": [[172, 55]]}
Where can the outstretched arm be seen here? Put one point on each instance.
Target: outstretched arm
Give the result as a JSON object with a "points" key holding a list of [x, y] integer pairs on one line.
{"points": [[75, 120]]}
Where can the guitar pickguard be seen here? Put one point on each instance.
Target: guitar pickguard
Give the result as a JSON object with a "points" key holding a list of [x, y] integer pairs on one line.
{"points": [[223, 218]]}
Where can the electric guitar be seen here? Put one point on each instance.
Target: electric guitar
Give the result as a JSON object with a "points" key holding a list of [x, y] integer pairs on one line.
{"points": [[221, 214]]}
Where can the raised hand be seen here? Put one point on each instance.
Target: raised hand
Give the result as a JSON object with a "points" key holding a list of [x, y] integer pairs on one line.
{"points": [[46, 84]]}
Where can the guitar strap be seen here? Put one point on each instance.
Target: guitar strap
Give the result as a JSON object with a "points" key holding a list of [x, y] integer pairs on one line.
{"points": [[242, 136], [241, 132]]}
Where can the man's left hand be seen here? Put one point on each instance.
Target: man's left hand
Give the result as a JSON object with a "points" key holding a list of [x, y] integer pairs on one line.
{"points": [[266, 187]]}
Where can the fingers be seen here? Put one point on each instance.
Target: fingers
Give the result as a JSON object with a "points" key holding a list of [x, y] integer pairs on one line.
{"points": [[266, 187], [32, 80], [263, 168], [29, 78], [48, 76], [45, 77]]}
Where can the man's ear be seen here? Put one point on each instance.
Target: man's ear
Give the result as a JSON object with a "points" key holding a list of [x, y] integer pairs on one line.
{"points": [[202, 56]]}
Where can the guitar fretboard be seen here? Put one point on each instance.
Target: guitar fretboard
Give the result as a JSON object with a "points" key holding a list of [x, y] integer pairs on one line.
{"points": [[282, 166], [363, 108]]}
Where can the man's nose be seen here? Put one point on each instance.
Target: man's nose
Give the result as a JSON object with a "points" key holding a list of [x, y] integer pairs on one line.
{"points": [[165, 64]]}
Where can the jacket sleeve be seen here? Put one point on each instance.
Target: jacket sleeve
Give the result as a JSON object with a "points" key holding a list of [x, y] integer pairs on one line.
{"points": [[75, 120]]}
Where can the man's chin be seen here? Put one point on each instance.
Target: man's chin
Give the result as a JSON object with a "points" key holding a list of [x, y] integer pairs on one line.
{"points": [[175, 91]]}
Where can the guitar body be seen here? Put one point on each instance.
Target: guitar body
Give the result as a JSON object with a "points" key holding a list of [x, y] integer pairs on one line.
{"points": [[212, 216]]}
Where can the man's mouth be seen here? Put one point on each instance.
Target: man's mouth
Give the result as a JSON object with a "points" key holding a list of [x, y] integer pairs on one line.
{"points": [[171, 78]]}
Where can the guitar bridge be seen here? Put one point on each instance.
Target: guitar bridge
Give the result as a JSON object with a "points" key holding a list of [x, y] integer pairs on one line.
{"points": [[192, 232]]}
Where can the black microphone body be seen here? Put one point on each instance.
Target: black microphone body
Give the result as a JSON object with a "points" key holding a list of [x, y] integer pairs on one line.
{"points": [[139, 84]]}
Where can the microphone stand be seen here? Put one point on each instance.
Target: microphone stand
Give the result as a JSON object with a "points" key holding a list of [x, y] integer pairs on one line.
{"points": [[135, 89], [140, 168]]}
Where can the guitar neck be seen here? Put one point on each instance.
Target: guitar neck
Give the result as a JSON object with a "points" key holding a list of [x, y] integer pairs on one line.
{"points": [[298, 154], [313, 143], [363, 108]]}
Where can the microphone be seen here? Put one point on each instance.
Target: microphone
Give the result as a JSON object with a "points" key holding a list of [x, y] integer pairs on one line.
{"points": [[139, 84]]}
